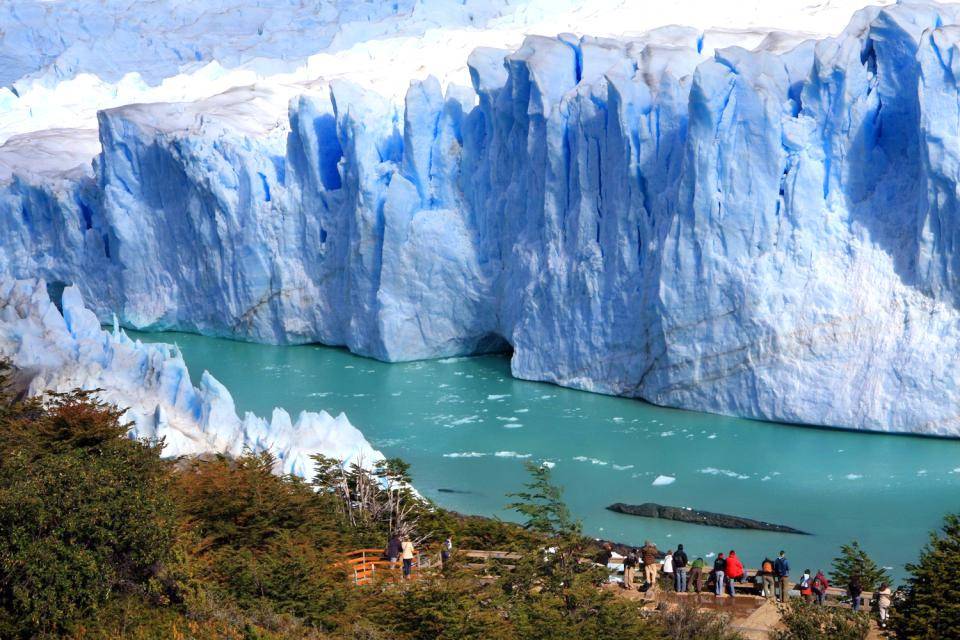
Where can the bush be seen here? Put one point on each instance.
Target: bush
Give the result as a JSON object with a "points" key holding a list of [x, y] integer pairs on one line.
{"points": [[930, 609], [85, 512], [686, 621], [804, 621]]}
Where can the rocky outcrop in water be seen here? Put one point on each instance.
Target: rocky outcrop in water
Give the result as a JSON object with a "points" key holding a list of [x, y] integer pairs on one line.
{"points": [[695, 516]]}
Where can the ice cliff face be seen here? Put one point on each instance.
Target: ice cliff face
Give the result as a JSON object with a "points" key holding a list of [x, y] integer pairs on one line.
{"points": [[62, 352], [768, 233]]}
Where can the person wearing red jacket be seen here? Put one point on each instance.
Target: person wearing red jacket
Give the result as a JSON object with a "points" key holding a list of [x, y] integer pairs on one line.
{"points": [[734, 572]]}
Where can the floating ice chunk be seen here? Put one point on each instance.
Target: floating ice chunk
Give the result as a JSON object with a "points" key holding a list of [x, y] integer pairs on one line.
{"points": [[661, 481], [511, 454], [465, 454], [853, 476]]}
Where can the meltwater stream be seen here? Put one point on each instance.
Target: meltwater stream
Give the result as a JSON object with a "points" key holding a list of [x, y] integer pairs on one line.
{"points": [[465, 425]]}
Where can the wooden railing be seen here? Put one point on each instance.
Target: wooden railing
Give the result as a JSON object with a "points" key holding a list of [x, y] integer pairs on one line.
{"points": [[365, 565]]}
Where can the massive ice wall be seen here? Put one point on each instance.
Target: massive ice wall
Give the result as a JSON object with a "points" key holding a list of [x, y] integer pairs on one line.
{"points": [[766, 233], [62, 352]]}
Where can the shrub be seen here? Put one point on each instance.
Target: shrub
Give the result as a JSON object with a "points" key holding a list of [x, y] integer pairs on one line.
{"points": [[85, 513], [804, 621], [930, 608]]}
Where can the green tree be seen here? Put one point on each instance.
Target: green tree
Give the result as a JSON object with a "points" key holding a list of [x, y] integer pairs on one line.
{"points": [[85, 513], [807, 621], [931, 607], [542, 504], [853, 560]]}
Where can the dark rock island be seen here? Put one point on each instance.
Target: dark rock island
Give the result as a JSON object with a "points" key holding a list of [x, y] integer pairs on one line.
{"points": [[695, 516]]}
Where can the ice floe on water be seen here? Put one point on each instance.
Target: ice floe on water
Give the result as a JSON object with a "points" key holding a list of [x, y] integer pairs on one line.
{"points": [[595, 461], [498, 396], [465, 454], [512, 425], [465, 420], [548, 464], [666, 434], [622, 467], [512, 454], [713, 471], [853, 476], [662, 481]]}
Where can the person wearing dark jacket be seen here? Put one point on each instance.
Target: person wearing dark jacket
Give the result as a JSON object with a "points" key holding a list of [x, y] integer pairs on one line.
{"points": [[719, 569], [781, 571], [393, 550], [855, 590], [680, 561]]}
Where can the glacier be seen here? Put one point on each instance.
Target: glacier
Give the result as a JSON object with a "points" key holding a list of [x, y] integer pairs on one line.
{"points": [[764, 229], [59, 352]]}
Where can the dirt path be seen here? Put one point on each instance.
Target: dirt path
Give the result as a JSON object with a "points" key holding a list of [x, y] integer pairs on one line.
{"points": [[754, 617]]}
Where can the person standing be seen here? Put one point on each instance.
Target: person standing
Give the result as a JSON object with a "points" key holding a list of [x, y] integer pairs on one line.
{"points": [[445, 552], [629, 566], [733, 573], [407, 553], [680, 568], [883, 603], [766, 575], [781, 571], [696, 574], [393, 550], [855, 591], [719, 569], [805, 586], [820, 586], [651, 564], [668, 569]]}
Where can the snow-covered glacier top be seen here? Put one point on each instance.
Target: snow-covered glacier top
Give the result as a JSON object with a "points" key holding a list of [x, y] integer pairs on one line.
{"points": [[62, 60], [746, 222], [61, 352]]}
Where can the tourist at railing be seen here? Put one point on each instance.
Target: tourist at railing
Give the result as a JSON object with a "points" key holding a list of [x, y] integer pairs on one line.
{"points": [[734, 572], [884, 597], [407, 553], [781, 570], [668, 569], [766, 576], [855, 591], [446, 550], [629, 567], [696, 575], [680, 568], [394, 547], [651, 564], [805, 586], [719, 571], [820, 586]]}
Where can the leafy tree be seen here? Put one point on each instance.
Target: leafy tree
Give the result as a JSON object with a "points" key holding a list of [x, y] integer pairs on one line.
{"points": [[807, 621], [85, 513], [542, 504], [853, 560], [931, 606]]}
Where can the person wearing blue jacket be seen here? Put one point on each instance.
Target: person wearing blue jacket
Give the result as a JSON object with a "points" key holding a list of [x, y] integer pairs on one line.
{"points": [[781, 571]]}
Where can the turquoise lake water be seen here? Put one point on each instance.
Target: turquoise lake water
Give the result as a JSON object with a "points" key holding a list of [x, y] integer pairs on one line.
{"points": [[464, 424]]}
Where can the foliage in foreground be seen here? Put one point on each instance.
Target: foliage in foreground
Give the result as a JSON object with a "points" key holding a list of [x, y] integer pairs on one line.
{"points": [[101, 538], [807, 621], [931, 605]]}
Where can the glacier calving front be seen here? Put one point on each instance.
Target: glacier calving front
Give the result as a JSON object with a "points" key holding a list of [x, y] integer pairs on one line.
{"points": [[61, 352], [768, 233]]}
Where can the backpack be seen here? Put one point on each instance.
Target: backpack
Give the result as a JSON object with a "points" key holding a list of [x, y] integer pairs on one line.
{"points": [[767, 567]]}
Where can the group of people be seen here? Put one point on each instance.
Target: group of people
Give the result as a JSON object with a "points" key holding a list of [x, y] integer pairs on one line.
{"points": [[401, 548], [683, 575]]}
